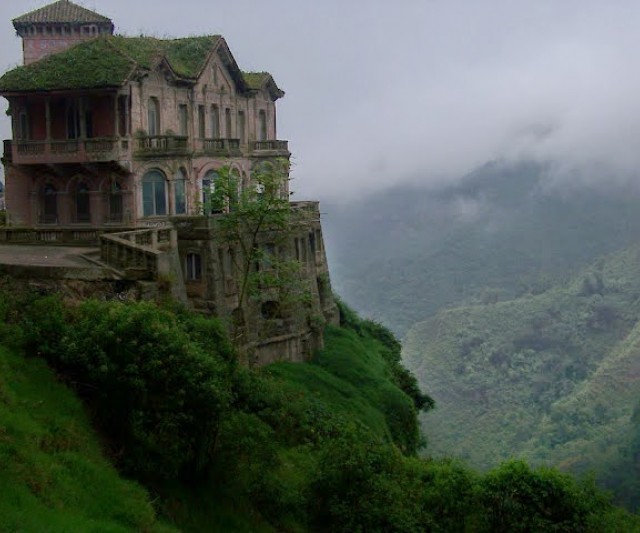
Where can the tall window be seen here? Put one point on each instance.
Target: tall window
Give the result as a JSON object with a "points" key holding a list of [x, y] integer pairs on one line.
{"points": [[262, 125], [227, 120], [194, 267], [73, 121], [49, 204], [183, 119], [242, 127], [180, 192], [154, 194], [201, 122], [215, 122], [22, 126], [115, 203], [154, 116], [123, 115], [211, 204], [83, 207]]}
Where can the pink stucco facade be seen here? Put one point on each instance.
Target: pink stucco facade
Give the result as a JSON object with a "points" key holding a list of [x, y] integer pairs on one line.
{"points": [[83, 158]]}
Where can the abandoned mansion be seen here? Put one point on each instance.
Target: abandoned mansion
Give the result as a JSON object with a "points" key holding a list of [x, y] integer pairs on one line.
{"points": [[120, 144]]}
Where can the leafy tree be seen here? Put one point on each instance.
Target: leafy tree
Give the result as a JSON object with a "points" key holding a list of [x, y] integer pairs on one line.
{"points": [[257, 226], [517, 498]]}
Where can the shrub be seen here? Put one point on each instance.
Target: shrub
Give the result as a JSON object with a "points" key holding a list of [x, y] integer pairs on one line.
{"points": [[156, 386]]}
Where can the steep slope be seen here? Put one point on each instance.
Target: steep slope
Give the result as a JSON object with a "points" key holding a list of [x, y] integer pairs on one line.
{"points": [[552, 377], [506, 229], [54, 476]]}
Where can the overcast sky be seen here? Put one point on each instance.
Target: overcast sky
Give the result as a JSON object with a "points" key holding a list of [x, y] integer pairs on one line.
{"points": [[381, 92]]}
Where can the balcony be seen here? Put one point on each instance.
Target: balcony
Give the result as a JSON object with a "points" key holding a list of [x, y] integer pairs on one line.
{"points": [[153, 146], [273, 148], [68, 151], [221, 147]]}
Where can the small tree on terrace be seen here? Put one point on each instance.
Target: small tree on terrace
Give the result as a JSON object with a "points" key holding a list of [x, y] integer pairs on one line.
{"points": [[257, 227]]}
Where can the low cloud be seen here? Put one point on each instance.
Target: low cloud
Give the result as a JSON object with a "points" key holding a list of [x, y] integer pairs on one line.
{"points": [[382, 93]]}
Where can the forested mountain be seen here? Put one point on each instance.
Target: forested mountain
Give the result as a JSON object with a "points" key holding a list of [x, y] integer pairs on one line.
{"points": [[506, 229], [551, 377]]}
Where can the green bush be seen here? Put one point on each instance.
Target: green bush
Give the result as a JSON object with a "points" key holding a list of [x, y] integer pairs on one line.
{"points": [[156, 385], [518, 498]]}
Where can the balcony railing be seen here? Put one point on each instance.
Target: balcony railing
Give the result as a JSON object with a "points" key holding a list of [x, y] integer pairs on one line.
{"points": [[161, 145], [272, 147], [67, 151], [224, 147]]}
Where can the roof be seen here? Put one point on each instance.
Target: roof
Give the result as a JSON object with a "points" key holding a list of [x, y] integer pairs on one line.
{"points": [[62, 11], [257, 81], [109, 61]]}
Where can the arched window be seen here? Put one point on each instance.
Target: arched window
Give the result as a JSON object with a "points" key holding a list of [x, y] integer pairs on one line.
{"points": [[153, 116], [193, 267], [180, 192], [83, 203], [115, 203], [262, 125], [154, 194], [49, 204], [210, 201], [215, 122]]}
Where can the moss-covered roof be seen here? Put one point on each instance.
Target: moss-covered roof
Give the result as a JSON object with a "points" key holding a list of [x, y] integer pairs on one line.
{"points": [[258, 80], [255, 80], [109, 61], [62, 11]]}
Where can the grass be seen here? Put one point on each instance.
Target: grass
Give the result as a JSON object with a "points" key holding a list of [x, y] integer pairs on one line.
{"points": [[350, 378], [54, 475]]}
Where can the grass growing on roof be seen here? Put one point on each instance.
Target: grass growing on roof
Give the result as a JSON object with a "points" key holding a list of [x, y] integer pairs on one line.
{"points": [[108, 61]]}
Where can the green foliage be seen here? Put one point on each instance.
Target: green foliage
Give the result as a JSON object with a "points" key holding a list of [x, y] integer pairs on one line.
{"points": [[517, 498], [257, 225], [548, 377], [325, 446], [390, 349], [108, 61], [157, 382], [363, 485], [50, 457]]}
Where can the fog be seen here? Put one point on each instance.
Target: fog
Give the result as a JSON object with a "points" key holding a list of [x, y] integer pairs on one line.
{"points": [[380, 93]]}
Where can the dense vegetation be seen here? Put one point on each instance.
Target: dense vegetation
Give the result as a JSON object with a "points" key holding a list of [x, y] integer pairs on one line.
{"points": [[49, 457], [552, 377], [325, 446]]}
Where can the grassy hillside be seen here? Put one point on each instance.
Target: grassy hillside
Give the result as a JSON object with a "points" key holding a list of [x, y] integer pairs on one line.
{"points": [[54, 476], [328, 445], [552, 377], [404, 254]]}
